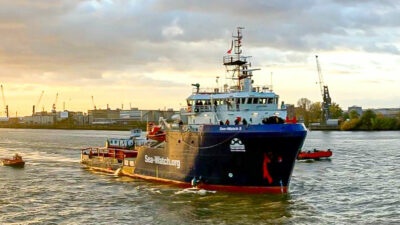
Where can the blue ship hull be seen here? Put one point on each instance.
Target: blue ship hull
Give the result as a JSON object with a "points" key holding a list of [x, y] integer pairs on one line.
{"points": [[254, 158]]}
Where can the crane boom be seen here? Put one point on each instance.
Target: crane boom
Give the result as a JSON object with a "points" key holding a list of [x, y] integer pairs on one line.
{"points": [[4, 101], [327, 101], [2, 94], [94, 105], [321, 79], [40, 98], [54, 104]]}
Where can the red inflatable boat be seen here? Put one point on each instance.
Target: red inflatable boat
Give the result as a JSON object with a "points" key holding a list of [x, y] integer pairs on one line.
{"points": [[315, 154]]}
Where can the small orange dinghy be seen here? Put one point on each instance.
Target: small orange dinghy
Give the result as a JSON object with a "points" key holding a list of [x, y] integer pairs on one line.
{"points": [[16, 161]]}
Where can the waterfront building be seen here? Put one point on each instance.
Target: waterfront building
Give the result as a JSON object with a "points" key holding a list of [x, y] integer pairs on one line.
{"points": [[358, 109]]}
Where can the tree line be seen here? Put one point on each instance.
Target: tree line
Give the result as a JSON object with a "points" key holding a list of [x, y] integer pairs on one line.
{"points": [[310, 112]]}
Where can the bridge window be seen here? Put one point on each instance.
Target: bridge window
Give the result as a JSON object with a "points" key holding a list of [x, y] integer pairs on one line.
{"points": [[237, 101], [263, 101], [243, 100], [255, 100], [270, 101]]}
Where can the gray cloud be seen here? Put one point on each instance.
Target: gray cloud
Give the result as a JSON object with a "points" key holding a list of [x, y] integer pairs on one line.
{"points": [[78, 40]]}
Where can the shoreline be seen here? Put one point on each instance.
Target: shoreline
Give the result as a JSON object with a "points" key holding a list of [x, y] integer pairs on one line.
{"points": [[111, 128]]}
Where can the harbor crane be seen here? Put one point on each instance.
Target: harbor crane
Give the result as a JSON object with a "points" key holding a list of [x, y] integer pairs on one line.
{"points": [[4, 101], [327, 101], [54, 104], [94, 105], [37, 103]]}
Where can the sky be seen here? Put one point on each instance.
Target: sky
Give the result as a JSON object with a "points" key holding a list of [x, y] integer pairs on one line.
{"points": [[147, 53]]}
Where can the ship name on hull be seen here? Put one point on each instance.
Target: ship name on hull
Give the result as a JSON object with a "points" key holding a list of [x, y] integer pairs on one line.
{"points": [[162, 161]]}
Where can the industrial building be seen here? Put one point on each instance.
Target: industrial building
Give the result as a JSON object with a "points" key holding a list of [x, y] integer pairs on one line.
{"points": [[118, 116]]}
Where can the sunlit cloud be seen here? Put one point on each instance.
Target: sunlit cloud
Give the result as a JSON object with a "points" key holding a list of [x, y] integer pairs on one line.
{"points": [[149, 52]]}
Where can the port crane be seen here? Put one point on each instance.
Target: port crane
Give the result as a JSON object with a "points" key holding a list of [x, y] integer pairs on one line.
{"points": [[94, 105], [37, 103], [327, 101], [54, 104], [4, 101]]}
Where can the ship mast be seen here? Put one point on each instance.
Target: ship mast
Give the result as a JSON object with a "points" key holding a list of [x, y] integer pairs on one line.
{"points": [[240, 70]]}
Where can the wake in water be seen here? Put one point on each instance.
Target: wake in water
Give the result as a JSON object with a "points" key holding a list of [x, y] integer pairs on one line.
{"points": [[36, 155], [194, 190]]}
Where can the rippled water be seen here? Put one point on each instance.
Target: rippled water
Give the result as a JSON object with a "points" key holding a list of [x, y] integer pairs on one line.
{"points": [[361, 184]]}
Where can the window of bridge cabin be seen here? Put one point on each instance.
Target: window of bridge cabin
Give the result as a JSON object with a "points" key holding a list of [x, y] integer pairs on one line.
{"points": [[243, 100], [255, 100], [270, 101], [250, 101], [263, 101], [237, 101]]}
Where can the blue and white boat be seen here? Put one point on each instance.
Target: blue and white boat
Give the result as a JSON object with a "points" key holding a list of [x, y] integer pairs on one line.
{"points": [[236, 139]]}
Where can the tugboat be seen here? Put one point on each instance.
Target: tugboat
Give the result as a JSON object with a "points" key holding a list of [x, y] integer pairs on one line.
{"points": [[236, 138], [16, 161]]}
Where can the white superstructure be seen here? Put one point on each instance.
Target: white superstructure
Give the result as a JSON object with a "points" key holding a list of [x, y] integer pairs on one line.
{"points": [[241, 102]]}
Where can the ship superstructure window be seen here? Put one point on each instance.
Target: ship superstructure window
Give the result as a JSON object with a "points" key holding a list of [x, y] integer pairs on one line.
{"points": [[190, 102], [243, 100], [263, 101], [270, 101]]}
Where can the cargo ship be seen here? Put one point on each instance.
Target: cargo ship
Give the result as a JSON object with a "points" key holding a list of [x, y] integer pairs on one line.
{"points": [[237, 138]]}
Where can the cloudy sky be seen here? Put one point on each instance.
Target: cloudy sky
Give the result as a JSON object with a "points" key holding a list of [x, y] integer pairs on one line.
{"points": [[148, 52]]}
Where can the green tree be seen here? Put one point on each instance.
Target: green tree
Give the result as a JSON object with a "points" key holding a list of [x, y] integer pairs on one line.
{"points": [[304, 103], [302, 110], [352, 124], [354, 114], [315, 112], [346, 116], [336, 111], [367, 120]]}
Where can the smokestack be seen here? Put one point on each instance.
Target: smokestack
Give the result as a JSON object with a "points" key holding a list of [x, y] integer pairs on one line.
{"points": [[33, 110]]}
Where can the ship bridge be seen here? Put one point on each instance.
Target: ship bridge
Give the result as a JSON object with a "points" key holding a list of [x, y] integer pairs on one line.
{"points": [[238, 102]]}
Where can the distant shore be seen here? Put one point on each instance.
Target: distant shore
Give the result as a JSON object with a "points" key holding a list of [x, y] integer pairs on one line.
{"points": [[89, 127]]}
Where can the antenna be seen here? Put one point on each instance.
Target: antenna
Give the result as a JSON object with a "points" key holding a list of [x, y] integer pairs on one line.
{"points": [[271, 82]]}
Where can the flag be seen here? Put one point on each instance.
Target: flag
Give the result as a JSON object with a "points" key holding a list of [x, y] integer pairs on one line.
{"points": [[230, 50]]}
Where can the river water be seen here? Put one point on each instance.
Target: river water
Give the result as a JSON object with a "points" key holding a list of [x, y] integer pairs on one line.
{"points": [[361, 184]]}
